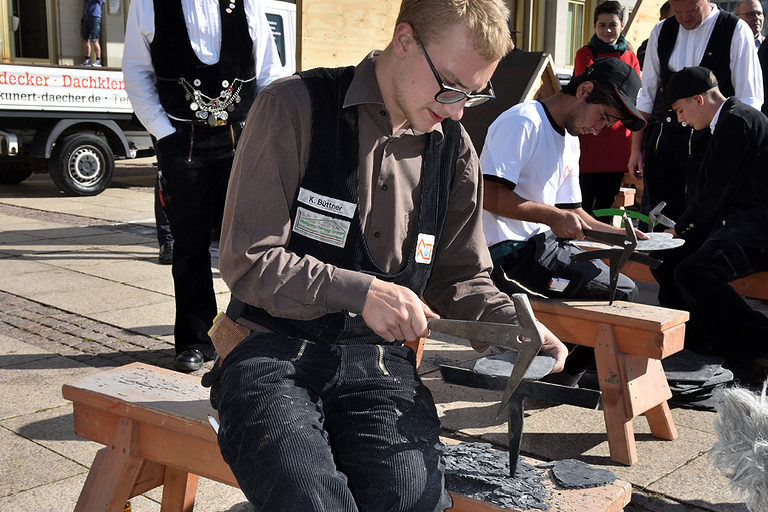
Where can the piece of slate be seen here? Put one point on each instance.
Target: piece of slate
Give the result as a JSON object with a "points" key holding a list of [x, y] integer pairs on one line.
{"points": [[480, 471], [688, 366], [659, 242], [501, 365], [575, 474]]}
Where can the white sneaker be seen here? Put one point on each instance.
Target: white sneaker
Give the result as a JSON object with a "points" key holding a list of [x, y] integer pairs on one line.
{"points": [[97, 63], [86, 62]]}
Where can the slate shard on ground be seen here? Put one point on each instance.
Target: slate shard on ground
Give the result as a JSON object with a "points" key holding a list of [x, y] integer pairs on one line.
{"points": [[689, 367], [575, 474], [501, 365], [480, 471]]}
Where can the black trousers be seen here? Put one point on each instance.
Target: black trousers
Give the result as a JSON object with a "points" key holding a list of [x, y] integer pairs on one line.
{"points": [[672, 155], [695, 278], [545, 258], [162, 224], [311, 427], [195, 164]]}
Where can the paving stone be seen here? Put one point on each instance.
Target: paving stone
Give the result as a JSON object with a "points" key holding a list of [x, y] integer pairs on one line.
{"points": [[568, 432], [54, 429], [14, 352], [214, 497], [25, 464], [705, 487], [36, 385]]}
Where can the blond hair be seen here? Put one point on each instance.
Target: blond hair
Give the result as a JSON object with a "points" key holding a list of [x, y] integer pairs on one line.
{"points": [[486, 20]]}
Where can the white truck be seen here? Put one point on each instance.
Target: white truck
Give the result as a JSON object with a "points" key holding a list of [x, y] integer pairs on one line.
{"points": [[73, 122]]}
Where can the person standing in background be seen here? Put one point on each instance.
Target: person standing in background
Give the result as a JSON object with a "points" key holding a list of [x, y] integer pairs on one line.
{"points": [[751, 11], [90, 30], [666, 154], [192, 70], [604, 156]]}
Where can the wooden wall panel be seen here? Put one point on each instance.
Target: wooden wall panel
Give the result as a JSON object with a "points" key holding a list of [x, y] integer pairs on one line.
{"points": [[644, 16], [342, 32]]}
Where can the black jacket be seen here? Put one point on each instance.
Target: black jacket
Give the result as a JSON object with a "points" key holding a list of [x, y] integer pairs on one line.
{"points": [[731, 197]]}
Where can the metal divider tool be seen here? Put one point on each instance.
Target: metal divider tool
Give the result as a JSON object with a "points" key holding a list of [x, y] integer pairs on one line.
{"points": [[623, 249], [524, 337]]}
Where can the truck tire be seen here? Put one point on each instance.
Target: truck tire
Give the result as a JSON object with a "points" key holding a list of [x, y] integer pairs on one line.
{"points": [[81, 164], [14, 171]]}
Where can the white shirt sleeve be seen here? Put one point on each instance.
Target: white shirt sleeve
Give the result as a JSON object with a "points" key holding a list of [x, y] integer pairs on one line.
{"points": [[508, 146], [650, 73], [138, 72], [265, 56], [746, 74]]}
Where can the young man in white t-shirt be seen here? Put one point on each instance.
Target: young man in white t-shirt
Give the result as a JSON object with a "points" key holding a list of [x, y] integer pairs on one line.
{"points": [[532, 200], [530, 164]]}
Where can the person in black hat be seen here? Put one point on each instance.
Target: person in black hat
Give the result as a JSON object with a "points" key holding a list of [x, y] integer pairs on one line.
{"points": [[532, 199], [724, 226]]}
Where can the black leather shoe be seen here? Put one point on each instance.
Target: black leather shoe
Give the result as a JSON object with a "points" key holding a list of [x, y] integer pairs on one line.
{"points": [[165, 256], [189, 360]]}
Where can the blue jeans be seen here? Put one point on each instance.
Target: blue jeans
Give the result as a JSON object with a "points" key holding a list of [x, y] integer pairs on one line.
{"points": [[339, 428], [90, 28]]}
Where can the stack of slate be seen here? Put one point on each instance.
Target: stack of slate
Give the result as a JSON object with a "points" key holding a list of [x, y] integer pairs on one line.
{"points": [[693, 379], [479, 471]]}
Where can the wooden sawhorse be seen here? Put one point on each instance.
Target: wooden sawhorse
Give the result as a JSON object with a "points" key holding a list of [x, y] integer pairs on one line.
{"points": [[629, 340]]}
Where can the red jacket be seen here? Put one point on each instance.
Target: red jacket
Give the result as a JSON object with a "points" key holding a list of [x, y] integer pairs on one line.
{"points": [[608, 151]]}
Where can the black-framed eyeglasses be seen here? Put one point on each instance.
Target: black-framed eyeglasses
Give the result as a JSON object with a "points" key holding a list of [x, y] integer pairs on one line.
{"points": [[448, 95]]}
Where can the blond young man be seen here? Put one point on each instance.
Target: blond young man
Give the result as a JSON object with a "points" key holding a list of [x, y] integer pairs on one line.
{"points": [[354, 195]]}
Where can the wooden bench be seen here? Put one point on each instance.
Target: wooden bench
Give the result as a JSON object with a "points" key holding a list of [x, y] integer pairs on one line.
{"points": [[629, 341], [754, 286], [154, 425]]}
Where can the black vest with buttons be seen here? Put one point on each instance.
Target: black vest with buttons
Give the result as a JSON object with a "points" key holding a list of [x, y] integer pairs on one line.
{"points": [[173, 59], [332, 171], [717, 55]]}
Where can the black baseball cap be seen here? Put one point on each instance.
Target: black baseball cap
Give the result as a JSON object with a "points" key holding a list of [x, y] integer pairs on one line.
{"points": [[688, 82], [623, 80]]}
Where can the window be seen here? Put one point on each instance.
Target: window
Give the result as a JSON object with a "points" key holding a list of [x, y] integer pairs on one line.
{"points": [[31, 36], [575, 29]]}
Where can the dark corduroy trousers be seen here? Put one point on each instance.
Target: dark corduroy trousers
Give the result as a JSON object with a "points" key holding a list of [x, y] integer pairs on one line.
{"points": [[338, 428]]}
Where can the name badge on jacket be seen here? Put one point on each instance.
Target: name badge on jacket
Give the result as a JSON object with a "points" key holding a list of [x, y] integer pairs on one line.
{"points": [[315, 224]]}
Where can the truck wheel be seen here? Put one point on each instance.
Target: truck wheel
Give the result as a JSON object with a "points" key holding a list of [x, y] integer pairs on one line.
{"points": [[13, 171], [81, 164]]}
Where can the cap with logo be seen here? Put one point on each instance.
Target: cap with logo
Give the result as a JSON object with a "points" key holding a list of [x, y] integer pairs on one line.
{"points": [[625, 84]]}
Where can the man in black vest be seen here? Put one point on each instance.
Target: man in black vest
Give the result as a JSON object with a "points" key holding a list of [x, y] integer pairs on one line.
{"points": [[724, 226], [667, 155], [192, 70], [355, 194]]}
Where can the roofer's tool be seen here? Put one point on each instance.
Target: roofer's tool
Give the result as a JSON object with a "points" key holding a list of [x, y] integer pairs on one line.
{"points": [[656, 217], [624, 248], [524, 337]]}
